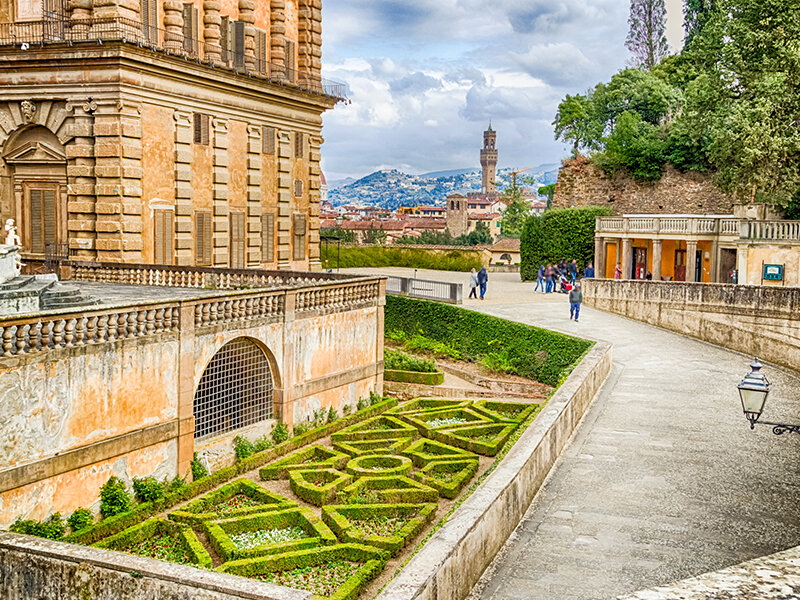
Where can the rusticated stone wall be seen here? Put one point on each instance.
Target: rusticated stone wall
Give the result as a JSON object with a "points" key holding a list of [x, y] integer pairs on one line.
{"points": [[580, 183]]}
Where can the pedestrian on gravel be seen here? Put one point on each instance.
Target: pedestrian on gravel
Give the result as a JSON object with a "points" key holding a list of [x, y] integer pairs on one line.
{"points": [[473, 284], [575, 299], [483, 278], [539, 280]]}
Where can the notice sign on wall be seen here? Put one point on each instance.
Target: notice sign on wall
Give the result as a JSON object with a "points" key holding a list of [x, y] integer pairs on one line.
{"points": [[773, 273]]}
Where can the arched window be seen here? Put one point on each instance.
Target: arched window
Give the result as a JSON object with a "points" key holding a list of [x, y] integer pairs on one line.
{"points": [[458, 205], [452, 205], [235, 390]]}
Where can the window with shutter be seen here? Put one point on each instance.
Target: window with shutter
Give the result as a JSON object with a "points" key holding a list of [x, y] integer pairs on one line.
{"points": [[237, 29], [268, 237], [299, 237], [201, 129], [225, 39], [261, 51], [298, 188], [298, 145], [190, 27], [42, 217], [268, 139], [237, 254], [163, 237], [202, 238], [290, 53], [149, 13]]}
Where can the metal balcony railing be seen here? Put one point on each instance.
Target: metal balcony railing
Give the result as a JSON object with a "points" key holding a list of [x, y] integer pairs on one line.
{"points": [[97, 31]]}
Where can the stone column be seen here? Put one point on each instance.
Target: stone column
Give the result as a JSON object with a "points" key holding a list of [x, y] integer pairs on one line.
{"points": [[184, 208], [713, 263], [173, 25], [277, 38], [211, 32], [657, 244], [81, 198], [253, 195], [314, 202], [246, 15], [691, 258], [221, 210], [626, 258], [284, 217], [599, 256]]}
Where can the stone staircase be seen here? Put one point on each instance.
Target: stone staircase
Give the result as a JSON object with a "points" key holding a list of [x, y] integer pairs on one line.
{"points": [[32, 293]]}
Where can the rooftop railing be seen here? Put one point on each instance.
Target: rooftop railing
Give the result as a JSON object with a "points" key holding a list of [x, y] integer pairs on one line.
{"points": [[770, 231], [128, 31], [671, 225]]}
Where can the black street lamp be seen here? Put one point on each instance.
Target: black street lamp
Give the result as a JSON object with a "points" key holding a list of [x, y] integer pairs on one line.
{"points": [[753, 392]]}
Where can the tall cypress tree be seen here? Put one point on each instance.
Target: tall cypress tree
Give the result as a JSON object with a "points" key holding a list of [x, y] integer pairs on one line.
{"points": [[695, 15], [647, 38]]}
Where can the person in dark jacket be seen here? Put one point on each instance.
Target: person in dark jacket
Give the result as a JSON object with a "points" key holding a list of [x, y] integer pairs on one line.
{"points": [[575, 299], [539, 280], [483, 278], [573, 271], [588, 272]]}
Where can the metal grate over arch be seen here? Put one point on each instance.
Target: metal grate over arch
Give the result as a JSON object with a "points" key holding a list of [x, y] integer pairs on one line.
{"points": [[235, 390]]}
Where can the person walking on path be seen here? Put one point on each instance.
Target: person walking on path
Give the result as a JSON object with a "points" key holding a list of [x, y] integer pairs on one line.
{"points": [[618, 271], [473, 284], [548, 276], [573, 270], [588, 272], [483, 277], [575, 299], [539, 280]]}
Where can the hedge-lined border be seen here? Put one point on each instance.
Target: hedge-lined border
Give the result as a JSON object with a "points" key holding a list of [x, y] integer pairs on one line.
{"points": [[488, 407], [198, 511], [373, 560], [420, 458], [421, 405], [436, 378], [357, 466], [280, 469], [421, 420], [157, 525], [362, 447], [314, 494], [408, 492], [113, 525], [363, 431], [456, 437], [219, 533], [465, 468], [338, 518]]}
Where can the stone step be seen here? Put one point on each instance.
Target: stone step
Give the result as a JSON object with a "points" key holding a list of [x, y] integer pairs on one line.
{"points": [[16, 283]]}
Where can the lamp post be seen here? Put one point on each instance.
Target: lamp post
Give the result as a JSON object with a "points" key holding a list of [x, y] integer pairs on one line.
{"points": [[753, 392]]}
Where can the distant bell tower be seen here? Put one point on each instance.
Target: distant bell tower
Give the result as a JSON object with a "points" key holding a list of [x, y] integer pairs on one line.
{"points": [[489, 160]]}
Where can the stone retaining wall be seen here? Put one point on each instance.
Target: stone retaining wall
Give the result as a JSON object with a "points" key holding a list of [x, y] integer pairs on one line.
{"points": [[452, 561], [756, 320]]}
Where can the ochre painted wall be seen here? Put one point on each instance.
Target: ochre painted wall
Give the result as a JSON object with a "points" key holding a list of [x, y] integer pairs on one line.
{"points": [[772, 255], [158, 171], [237, 165]]}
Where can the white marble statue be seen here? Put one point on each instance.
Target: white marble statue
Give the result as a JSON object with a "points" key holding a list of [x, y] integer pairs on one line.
{"points": [[12, 238], [12, 245]]}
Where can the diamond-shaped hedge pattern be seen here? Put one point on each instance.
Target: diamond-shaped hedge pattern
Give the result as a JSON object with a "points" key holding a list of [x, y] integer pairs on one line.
{"points": [[424, 451], [312, 457], [506, 411], [318, 486], [429, 422], [448, 477], [483, 439], [359, 447], [376, 428], [379, 465], [388, 490]]}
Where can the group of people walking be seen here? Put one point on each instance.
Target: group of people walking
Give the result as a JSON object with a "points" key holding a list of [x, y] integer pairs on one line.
{"points": [[478, 281], [560, 276]]}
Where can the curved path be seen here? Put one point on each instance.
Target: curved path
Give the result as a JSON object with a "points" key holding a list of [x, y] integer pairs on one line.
{"points": [[663, 480]]}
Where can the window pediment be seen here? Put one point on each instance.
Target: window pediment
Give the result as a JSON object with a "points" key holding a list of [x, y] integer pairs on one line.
{"points": [[35, 152]]}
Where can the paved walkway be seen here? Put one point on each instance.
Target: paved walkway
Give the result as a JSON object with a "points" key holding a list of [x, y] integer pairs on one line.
{"points": [[664, 479]]}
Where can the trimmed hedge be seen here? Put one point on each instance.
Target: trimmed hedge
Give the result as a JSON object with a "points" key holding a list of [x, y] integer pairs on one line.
{"points": [[361, 447], [312, 457], [558, 234], [372, 465], [372, 558], [219, 532], [461, 437], [340, 519], [424, 451], [426, 404], [462, 470], [203, 509], [536, 353], [376, 428], [392, 490], [436, 378], [156, 527], [303, 484], [113, 525], [395, 360], [414, 258], [421, 420], [505, 411]]}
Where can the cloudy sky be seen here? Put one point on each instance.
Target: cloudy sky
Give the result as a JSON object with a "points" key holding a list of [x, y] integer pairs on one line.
{"points": [[426, 77]]}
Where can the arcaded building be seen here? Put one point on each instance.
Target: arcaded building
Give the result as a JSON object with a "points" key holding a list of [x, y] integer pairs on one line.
{"points": [[166, 132]]}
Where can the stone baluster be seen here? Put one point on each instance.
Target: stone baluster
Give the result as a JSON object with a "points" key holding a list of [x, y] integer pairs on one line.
{"points": [[91, 329], [80, 330], [45, 335], [173, 25], [211, 31], [247, 16], [141, 323], [102, 330], [69, 332], [150, 321], [112, 329], [8, 340], [21, 340]]}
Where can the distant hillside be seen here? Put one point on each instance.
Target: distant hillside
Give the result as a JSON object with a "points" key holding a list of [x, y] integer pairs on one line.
{"points": [[393, 188]]}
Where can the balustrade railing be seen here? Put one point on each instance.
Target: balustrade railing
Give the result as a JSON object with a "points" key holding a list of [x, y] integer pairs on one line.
{"points": [[676, 225], [779, 231]]}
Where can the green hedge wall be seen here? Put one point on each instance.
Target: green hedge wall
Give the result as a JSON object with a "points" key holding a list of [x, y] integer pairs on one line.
{"points": [[331, 481], [460, 470], [323, 457], [558, 234], [424, 451], [361, 447], [395, 489], [414, 377], [536, 353], [413, 258], [379, 464], [495, 437]]}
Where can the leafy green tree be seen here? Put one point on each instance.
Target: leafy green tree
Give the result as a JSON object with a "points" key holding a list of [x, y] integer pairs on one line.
{"points": [[338, 233], [478, 236], [516, 212], [375, 236], [577, 123], [637, 145], [647, 34], [695, 15], [549, 191]]}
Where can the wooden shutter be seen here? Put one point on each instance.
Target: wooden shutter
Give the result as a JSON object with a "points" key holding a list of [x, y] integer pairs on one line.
{"points": [[298, 145], [238, 43], [289, 60], [237, 240], [298, 188], [299, 245], [202, 238], [201, 129], [189, 27], [49, 216], [37, 228], [149, 14], [261, 51], [268, 140], [163, 238], [195, 30], [268, 237], [224, 40]]}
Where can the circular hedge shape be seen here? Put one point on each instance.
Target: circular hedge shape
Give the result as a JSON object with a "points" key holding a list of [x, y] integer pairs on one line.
{"points": [[379, 465]]}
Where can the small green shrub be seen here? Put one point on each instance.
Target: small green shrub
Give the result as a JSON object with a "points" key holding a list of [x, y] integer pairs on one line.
{"points": [[175, 485], [332, 415], [147, 489], [263, 443], [114, 498], [52, 528], [198, 468], [80, 518], [280, 433], [400, 361], [362, 403], [375, 398], [346, 409], [300, 429], [243, 447], [435, 347]]}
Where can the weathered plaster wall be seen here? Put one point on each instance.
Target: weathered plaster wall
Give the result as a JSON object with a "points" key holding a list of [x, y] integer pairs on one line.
{"points": [[757, 255], [158, 180], [757, 320], [580, 183]]}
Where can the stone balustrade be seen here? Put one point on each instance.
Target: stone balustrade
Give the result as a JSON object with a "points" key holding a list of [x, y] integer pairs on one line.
{"points": [[678, 225], [770, 231]]}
